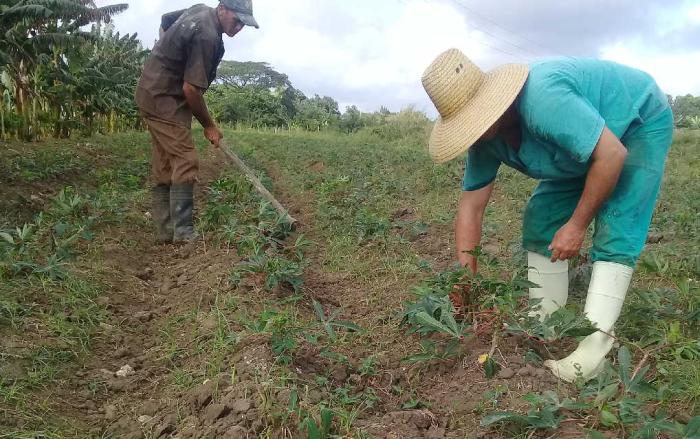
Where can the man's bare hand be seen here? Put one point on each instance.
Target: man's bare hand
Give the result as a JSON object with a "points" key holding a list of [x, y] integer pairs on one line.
{"points": [[567, 242], [213, 135]]}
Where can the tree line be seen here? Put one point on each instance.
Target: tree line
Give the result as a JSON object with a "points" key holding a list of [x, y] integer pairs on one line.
{"points": [[686, 110], [57, 79], [253, 94]]}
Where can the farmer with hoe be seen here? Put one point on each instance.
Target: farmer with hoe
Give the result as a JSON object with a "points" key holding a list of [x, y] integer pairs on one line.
{"points": [[180, 69], [596, 135]]}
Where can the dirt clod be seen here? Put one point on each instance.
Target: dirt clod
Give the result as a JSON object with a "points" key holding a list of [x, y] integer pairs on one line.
{"points": [[241, 406], [283, 396], [166, 285], [123, 352], [143, 316], [166, 427], [126, 428], [236, 432], [146, 274], [125, 371], [506, 373], [215, 412], [340, 373], [435, 432], [202, 396], [149, 408], [183, 279], [516, 361], [315, 397], [655, 238], [110, 412], [523, 371], [145, 419], [209, 324]]}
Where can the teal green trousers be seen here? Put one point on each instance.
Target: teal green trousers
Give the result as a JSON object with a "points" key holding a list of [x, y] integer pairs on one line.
{"points": [[622, 224]]}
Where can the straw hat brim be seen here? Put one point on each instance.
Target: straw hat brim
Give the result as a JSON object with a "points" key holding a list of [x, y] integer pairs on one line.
{"points": [[454, 135]]}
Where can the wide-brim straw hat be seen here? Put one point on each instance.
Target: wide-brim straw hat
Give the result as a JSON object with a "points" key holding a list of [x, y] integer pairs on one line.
{"points": [[469, 100]]}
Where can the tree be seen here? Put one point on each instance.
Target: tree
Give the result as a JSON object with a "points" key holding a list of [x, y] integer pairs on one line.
{"points": [[36, 39], [255, 74], [351, 120], [316, 113], [685, 109], [252, 106], [253, 93], [103, 77]]}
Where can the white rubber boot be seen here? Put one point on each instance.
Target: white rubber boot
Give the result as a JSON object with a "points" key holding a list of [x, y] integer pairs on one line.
{"points": [[553, 279], [606, 294]]}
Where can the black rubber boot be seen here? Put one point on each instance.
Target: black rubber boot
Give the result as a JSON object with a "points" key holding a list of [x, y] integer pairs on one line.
{"points": [[160, 211], [181, 209]]}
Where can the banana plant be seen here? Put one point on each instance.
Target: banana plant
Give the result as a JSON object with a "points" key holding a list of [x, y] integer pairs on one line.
{"points": [[38, 37]]}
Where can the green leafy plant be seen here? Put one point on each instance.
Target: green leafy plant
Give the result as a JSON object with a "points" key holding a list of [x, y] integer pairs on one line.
{"points": [[433, 314], [563, 322], [369, 225], [318, 429], [654, 263], [368, 366], [544, 412], [283, 343], [491, 399], [330, 324], [42, 247], [430, 350], [278, 271], [618, 397]]}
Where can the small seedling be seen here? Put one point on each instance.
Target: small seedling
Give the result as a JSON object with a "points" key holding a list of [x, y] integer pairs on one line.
{"points": [[318, 430], [368, 366], [330, 323]]}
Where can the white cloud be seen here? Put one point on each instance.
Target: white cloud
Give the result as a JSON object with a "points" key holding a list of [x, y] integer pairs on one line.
{"points": [[369, 53], [676, 73], [143, 17], [378, 56], [694, 14]]}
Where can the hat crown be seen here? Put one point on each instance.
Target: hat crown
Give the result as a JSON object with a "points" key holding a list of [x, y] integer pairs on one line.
{"points": [[242, 6], [451, 81]]}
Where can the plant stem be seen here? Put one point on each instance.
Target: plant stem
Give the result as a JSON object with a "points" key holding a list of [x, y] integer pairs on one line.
{"points": [[645, 358]]}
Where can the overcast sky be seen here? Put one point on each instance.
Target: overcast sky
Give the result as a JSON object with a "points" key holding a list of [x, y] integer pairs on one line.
{"points": [[370, 52]]}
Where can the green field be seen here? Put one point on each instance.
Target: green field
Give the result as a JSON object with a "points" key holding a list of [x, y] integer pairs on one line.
{"points": [[261, 331]]}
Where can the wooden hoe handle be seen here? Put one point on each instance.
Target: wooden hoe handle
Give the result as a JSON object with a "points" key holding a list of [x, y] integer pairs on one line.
{"points": [[240, 164]]}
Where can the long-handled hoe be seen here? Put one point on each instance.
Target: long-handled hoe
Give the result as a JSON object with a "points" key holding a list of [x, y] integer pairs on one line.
{"points": [[240, 164]]}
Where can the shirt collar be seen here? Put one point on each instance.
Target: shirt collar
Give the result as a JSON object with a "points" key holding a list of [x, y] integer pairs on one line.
{"points": [[215, 16]]}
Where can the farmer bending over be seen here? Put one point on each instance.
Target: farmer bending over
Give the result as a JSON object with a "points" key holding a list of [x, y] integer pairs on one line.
{"points": [[180, 69], [596, 135]]}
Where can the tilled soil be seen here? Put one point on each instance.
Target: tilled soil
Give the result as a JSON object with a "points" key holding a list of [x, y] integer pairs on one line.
{"points": [[125, 390]]}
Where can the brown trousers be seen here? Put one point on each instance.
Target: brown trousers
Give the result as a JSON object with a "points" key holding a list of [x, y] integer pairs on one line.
{"points": [[174, 159]]}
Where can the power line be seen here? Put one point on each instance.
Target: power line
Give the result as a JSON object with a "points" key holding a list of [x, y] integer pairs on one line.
{"points": [[494, 36], [542, 48], [523, 57]]}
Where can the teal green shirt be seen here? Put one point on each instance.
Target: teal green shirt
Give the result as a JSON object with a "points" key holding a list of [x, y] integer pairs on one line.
{"points": [[564, 106]]}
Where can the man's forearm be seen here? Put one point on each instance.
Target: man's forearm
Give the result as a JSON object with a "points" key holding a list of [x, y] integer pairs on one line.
{"points": [[470, 217], [600, 183], [467, 237], [602, 178], [195, 100]]}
